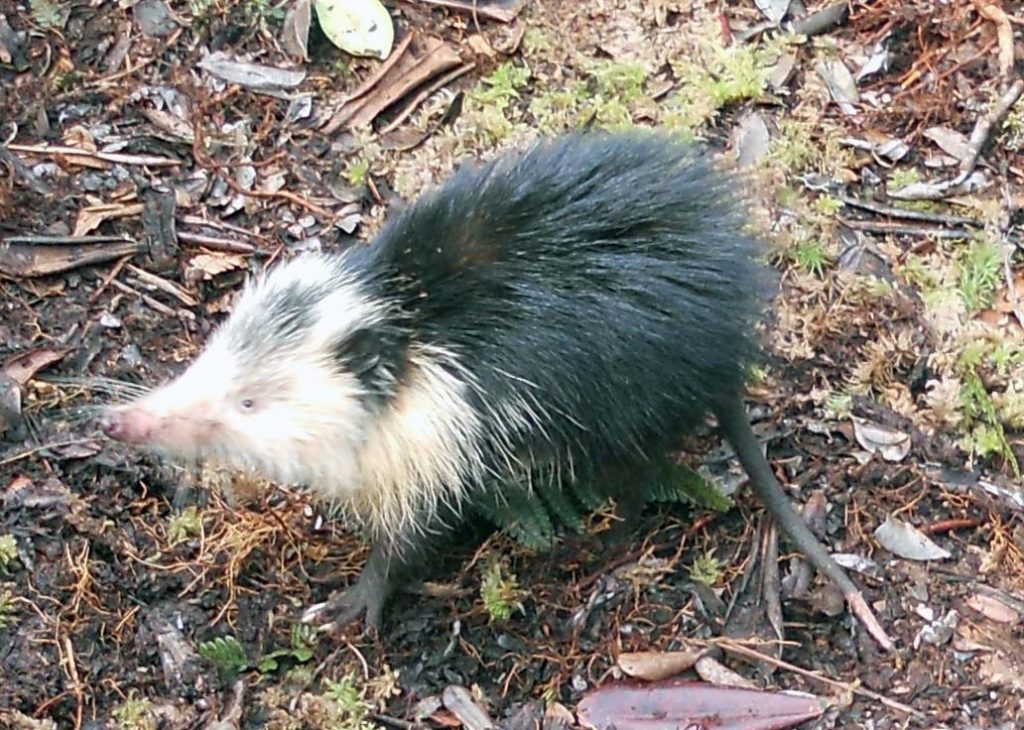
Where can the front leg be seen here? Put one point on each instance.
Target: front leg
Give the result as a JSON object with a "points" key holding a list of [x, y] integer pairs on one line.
{"points": [[375, 585], [395, 562]]}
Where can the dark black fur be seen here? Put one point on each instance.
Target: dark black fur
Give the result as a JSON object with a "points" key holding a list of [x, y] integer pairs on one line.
{"points": [[610, 275]]}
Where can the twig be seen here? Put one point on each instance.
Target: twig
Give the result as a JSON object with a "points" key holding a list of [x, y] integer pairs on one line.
{"points": [[114, 157], [76, 682], [903, 230], [986, 126], [202, 159], [153, 303], [163, 285], [114, 271], [394, 722], [104, 80], [736, 648], [906, 213], [195, 220], [44, 240], [217, 244]]}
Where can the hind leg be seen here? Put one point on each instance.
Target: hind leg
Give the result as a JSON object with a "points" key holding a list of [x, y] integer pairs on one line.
{"points": [[629, 485]]}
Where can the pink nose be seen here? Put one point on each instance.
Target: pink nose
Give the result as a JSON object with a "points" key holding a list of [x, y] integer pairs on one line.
{"points": [[131, 425]]}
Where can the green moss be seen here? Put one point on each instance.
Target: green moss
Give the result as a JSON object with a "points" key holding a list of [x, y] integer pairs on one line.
{"points": [[347, 707], [8, 550], [839, 405], [488, 105], [184, 525], [827, 205], [135, 713], [706, 569], [500, 592], [358, 171], [809, 253], [981, 271], [8, 613]]}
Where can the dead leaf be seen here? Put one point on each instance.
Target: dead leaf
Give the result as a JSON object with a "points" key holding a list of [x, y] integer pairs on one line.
{"points": [[992, 608], [460, 703], [654, 665], [91, 218], [171, 124], [253, 76], [681, 704], [504, 11], [751, 139], [890, 444], [711, 670], [295, 29], [421, 61], [206, 266], [780, 74], [773, 10], [20, 260], [358, 27], [154, 18], [840, 84], [24, 367], [949, 141], [903, 539], [479, 45]]}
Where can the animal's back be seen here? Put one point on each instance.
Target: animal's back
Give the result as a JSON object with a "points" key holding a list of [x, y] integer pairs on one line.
{"points": [[599, 291]]}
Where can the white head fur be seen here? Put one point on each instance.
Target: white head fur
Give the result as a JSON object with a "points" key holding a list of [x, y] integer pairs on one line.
{"points": [[268, 394]]}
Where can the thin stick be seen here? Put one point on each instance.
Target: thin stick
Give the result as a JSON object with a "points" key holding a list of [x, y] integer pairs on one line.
{"points": [[730, 645]]}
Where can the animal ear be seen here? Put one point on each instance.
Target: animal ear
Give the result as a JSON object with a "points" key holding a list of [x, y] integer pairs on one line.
{"points": [[375, 356], [361, 352]]}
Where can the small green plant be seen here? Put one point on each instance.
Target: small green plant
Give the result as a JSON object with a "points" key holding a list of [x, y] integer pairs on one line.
{"points": [[49, 14], [184, 525], [301, 650], [232, 659], [8, 613], [8, 550], [500, 593], [227, 653], [981, 271], [810, 256], [486, 109], [618, 79], [987, 438], [351, 710], [902, 177], [839, 405], [536, 43], [135, 713], [827, 205], [714, 76], [502, 86], [357, 172], [706, 569]]}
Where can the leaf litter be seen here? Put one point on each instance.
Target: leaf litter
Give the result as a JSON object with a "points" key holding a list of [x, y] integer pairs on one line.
{"points": [[895, 392]]}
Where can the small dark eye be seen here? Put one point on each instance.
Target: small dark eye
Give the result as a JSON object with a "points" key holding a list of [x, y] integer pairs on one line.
{"points": [[247, 404]]}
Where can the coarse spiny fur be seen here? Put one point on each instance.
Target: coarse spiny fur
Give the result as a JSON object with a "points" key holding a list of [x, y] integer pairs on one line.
{"points": [[573, 307]]}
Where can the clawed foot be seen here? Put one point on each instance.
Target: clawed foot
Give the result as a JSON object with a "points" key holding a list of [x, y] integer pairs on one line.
{"points": [[366, 598]]}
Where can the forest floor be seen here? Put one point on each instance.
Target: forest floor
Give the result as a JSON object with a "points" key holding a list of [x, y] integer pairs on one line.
{"points": [[152, 156]]}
